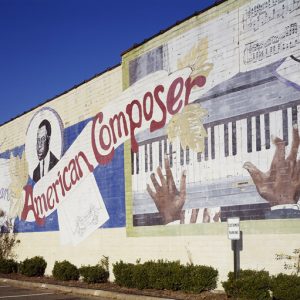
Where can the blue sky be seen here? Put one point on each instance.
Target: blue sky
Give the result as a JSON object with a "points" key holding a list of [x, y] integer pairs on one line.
{"points": [[48, 46]]}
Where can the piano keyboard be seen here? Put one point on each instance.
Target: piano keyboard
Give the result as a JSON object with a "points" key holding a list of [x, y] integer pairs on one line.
{"points": [[229, 144]]}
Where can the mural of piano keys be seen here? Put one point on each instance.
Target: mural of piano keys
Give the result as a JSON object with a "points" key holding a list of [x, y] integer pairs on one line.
{"points": [[280, 185], [262, 106]]}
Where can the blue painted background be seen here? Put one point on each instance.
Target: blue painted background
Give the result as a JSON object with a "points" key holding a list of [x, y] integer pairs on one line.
{"points": [[108, 177]]}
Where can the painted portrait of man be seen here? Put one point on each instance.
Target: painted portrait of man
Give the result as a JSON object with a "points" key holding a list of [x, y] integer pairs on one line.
{"points": [[47, 160], [44, 143]]}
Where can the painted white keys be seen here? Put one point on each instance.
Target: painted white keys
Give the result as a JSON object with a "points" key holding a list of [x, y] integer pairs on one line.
{"points": [[253, 154], [229, 139], [263, 153], [155, 155], [177, 162], [238, 156], [262, 132], [172, 157], [142, 173], [208, 160], [222, 163], [272, 129], [190, 166], [155, 163], [213, 162], [229, 159], [164, 147], [278, 127], [197, 167], [244, 145], [160, 153], [147, 159], [148, 171], [290, 129], [217, 171]]}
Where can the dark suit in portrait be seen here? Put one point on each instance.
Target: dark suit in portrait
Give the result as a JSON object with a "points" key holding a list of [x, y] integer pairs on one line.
{"points": [[46, 158], [37, 171]]}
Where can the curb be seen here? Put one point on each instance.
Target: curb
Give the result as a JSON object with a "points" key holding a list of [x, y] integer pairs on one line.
{"points": [[79, 291]]}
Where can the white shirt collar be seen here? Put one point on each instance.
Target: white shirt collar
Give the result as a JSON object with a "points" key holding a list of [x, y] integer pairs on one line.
{"points": [[46, 164]]}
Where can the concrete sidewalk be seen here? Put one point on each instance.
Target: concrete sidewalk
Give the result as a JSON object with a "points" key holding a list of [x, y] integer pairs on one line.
{"points": [[78, 291]]}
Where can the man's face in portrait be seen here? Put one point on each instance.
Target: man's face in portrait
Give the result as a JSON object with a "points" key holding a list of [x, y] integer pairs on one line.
{"points": [[42, 143]]}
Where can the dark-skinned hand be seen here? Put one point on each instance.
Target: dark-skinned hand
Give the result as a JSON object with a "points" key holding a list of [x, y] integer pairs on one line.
{"points": [[281, 184], [168, 200]]}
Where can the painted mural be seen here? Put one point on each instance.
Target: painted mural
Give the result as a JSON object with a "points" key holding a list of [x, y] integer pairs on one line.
{"points": [[212, 116], [54, 182], [233, 149]]}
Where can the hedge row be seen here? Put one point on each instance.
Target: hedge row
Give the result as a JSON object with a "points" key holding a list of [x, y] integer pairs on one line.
{"points": [[165, 275], [35, 266], [8, 266], [64, 270], [260, 285], [91, 274]]}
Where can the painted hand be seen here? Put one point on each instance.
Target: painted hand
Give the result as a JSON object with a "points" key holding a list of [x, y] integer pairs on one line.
{"points": [[281, 184], [207, 217], [168, 200]]}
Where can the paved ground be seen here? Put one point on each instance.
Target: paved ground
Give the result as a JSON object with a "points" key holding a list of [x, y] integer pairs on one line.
{"points": [[10, 292], [18, 289]]}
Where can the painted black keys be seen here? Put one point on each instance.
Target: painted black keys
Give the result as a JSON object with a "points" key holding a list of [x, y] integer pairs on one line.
{"points": [[249, 135], [146, 158], [267, 130], [226, 138], [132, 163], [234, 138], [160, 153], [151, 158], [212, 142], [181, 156], [137, 163], [171, 155], [294, 115], [187, 155], [285, 133], [258, 134]]}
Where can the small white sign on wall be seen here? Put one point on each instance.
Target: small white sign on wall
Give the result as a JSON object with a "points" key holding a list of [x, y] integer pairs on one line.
{"points": [[233, 228]]}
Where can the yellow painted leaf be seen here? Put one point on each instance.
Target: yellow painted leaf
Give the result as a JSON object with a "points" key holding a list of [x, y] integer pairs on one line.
{"points": [[196, 59], [18, 168], [188, 127]]}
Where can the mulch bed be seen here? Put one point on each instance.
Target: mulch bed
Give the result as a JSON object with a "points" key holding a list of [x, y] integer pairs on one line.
{"points": [[115, 288]]}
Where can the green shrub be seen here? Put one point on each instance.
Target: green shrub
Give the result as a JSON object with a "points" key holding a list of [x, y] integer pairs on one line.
{"points": [[140, 277], [156, 275], [197, 279], [65, 271], [165, 275], [123, 273], [8, 266], [34, 266], [250, 285], [94, 274], [286, 287]]}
